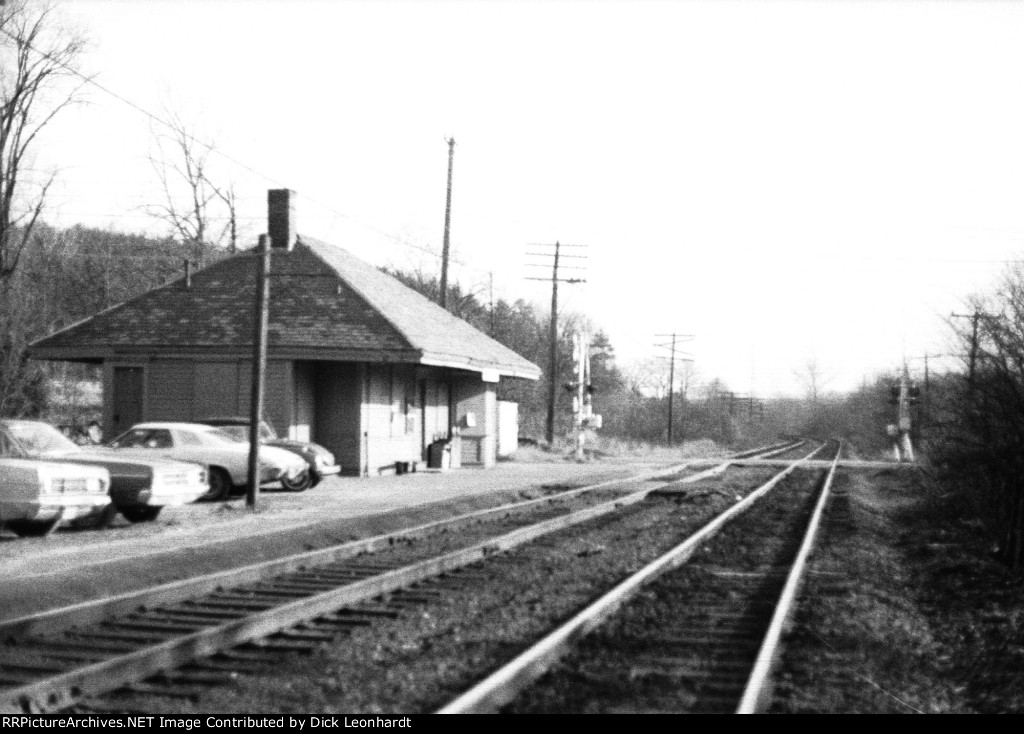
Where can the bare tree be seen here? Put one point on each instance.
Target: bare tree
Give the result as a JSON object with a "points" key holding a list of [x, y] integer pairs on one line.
{"points": [[813, 377], [191, 198], [647, 377], [37, 59], [978, 421]]}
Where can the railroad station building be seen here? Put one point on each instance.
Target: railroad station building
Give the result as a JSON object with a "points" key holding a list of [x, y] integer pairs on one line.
{"points": [[356, 360]]}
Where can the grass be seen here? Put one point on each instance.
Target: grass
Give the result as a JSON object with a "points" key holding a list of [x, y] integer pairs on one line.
{"points": [[904, 610]]}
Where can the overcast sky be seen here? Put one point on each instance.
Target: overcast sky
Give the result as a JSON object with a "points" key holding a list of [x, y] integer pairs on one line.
{"points": [[786, 181]]}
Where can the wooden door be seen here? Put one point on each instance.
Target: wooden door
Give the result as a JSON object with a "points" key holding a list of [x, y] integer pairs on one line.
{"points": [[127, 402]]}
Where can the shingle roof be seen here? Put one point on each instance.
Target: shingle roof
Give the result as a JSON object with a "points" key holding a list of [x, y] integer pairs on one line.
{"points": [[323, 302]]}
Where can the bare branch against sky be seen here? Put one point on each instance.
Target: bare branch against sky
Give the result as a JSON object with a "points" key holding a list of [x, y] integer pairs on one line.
{"points": [[36, 55]]}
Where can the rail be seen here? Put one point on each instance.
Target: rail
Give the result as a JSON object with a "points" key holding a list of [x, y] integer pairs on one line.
{"points": [[757, 694], [502, 686]]}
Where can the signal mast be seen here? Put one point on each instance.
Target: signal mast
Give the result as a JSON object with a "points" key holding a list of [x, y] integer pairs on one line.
{"points": [[903, 396]]}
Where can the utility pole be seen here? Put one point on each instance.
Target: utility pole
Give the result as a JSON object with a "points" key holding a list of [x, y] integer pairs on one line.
{"points": [[259, 364], [924, 415], [553, 357], [447, 226], [491, 291], [672, 372], [974, 317]]}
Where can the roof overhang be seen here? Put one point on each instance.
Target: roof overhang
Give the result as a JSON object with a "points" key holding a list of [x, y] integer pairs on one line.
{"points": [[489, 371]]}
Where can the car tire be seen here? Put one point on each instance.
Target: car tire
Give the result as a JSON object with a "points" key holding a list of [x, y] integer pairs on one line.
{"points": [[31, 528], [316, 478], [220, 485], [145, 513], [300, 484]]}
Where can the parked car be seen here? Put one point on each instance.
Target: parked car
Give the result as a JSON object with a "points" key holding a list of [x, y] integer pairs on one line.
{"points": [[227, 458], [321, 461], [139, 488], [37, 495]]}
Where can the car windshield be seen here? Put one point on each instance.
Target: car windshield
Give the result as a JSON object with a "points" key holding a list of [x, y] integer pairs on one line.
{"points": [[9, 446], [237, 433], [40, 438], [210, 436], [143, 438], [240, 431]]}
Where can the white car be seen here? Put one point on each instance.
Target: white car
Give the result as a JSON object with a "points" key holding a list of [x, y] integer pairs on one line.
{"points": [[226, 456], [37, 495]]}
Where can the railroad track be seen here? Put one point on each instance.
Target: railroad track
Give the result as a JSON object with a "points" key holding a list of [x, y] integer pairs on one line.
{"points": [[704, 637], [188, 633]]}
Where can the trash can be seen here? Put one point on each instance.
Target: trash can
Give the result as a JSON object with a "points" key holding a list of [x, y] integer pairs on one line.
{"points": [[439, 455]]}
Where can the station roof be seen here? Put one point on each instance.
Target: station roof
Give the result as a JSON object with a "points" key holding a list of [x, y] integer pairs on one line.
{"points": [[325, 303]]}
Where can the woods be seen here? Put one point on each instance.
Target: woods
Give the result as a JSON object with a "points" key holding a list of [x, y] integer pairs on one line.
{"points": [[977, 434]]}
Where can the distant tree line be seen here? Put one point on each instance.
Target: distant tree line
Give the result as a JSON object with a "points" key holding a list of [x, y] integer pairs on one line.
{"points": [[631, 410], [64, 276]]}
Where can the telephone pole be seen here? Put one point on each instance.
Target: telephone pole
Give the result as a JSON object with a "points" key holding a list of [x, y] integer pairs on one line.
{"points": [[672, 371], [555, 280], [259, 365], [491, 291], [447, 226], [974, 317]]}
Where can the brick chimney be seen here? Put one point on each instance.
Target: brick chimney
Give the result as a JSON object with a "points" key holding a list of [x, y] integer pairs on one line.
{"points": [[281, 218]]}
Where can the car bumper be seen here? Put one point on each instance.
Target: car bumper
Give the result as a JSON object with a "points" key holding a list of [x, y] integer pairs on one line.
{"points": [[326, 471], [64, 508], [172, 497]]}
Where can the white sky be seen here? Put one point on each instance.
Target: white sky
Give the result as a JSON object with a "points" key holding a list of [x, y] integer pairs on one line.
{"points": [[786, 181]]}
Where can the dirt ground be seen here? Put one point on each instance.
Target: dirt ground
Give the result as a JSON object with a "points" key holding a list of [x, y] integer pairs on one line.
{"points": [[904, 611]]}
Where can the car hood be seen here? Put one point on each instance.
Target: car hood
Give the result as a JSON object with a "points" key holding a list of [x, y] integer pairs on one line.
{"points": [[291, 445], [110, 459]]}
